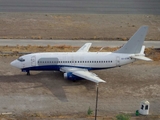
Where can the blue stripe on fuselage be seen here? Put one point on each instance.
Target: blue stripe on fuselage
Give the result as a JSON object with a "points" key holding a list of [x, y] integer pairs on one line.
{"points": [[57, 68]]}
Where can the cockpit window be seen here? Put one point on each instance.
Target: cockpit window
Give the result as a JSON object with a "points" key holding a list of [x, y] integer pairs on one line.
{"points": [[21, 59]]}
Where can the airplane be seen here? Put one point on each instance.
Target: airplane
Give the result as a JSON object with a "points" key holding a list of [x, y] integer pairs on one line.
{"points": [[77, 65]]}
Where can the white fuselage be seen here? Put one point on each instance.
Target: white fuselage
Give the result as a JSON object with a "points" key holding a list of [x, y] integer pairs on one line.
{"points": [[76, 65], [56, 60]]}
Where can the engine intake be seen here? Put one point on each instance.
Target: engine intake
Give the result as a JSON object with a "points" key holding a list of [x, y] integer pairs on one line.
{"points": [[70, 76]]}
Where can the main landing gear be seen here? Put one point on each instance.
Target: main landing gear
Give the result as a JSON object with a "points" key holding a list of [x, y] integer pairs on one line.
{"points": [[28, 73]]}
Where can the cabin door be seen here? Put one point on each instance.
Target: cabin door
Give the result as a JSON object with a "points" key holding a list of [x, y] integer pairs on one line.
{"points": [[33, 61], [118, 61]]}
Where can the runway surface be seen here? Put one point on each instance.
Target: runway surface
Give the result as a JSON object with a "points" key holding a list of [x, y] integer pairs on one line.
{"points": [[99, 43], [82, 6]]}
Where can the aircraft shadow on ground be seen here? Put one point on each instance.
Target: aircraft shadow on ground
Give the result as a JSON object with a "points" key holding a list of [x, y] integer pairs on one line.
{"points": [[53, 81]]}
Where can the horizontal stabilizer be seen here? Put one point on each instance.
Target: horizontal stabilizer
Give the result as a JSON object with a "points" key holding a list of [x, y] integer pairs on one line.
{"points": [[141, 58]]}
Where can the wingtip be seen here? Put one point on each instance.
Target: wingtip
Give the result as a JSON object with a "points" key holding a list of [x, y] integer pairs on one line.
{"points": [[102, 81], [144, 26]]}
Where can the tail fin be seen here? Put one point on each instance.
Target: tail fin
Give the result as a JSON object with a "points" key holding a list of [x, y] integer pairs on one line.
{"points": [[135, 43]]}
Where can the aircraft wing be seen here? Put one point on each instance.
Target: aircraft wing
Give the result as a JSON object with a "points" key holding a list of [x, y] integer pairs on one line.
{"points": [[85, 47], [83, 73]]}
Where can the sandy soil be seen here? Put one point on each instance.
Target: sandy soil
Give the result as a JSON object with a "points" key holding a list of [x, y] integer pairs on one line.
{"points": [[76, 26]]}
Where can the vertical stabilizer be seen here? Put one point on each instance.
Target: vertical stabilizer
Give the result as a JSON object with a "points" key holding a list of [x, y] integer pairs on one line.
{"points": [[134, 44]]}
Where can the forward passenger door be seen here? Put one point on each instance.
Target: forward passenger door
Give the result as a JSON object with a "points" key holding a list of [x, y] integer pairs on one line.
{"points": [[33, 61]]}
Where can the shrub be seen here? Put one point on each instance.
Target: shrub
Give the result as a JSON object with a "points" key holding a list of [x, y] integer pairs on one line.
{"points": [[89, 112], [123, 117]]}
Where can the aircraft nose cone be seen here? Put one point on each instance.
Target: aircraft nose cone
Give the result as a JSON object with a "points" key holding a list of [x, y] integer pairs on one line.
{"points": [[14, 63]]}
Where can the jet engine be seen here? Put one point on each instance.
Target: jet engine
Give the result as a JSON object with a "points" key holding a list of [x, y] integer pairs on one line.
{"points": [[70, 76]]}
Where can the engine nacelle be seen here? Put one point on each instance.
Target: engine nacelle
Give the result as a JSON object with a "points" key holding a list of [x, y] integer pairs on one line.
{"points": [[70, 76]]}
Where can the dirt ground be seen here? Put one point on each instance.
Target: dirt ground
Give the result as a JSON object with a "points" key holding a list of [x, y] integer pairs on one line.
{"points": [[76, 26], [47, 95]]}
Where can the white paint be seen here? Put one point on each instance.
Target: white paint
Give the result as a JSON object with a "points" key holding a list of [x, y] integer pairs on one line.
{"points": [[144, 107]]}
